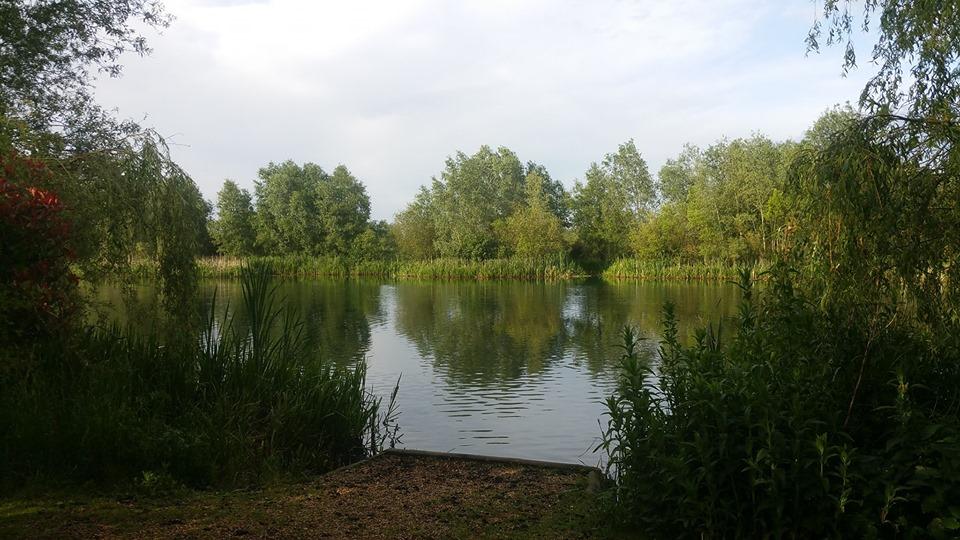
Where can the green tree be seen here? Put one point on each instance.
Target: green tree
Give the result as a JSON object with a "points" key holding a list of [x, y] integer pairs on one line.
{"points": [[233, 231], [343, 211], [677, 176], [375, 243], [556, 197], [628, 172], [920, 37], [473, 193], [533, 230], [615, 197], [414, 228], [287, 214], [127, 199], [49, 49]]}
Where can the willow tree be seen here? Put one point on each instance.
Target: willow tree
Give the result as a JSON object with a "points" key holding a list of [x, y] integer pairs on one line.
{"points": [[127, 199], [883, 192]]}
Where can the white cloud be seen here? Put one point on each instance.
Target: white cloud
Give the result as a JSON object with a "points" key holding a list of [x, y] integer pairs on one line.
{"points": [[392, 88]]}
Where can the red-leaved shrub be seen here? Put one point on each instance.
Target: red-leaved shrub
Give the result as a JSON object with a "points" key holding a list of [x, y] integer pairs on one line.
{"points": [[37, 287]]}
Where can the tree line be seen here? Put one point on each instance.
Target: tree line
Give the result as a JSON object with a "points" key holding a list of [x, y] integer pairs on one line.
{"points": [[728, 202]]}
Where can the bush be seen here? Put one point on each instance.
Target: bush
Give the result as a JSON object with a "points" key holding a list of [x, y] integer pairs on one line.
{"points": [[801, 426], [37, 288]]}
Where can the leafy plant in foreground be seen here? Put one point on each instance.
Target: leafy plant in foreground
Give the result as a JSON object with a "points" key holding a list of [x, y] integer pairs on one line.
{"points": [[753, 435]]}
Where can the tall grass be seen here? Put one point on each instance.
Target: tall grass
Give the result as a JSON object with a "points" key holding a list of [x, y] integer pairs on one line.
{"points": [[644, 269], [225, 408], [535, 269], [305, 266], [757, 436]]}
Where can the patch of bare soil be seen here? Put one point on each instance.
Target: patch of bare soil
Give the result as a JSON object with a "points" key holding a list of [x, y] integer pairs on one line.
{"points": [[391, 496]]}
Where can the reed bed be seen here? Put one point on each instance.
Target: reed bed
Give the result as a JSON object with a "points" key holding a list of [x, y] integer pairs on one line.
{"points": [[672, 270], [304, 266]]}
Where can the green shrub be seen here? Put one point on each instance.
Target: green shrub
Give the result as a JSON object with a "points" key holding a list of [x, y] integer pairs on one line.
{"points": [[800, 427]]}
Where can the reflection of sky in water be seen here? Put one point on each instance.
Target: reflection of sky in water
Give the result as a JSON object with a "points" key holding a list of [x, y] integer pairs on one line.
{"points": [[511, 368]]}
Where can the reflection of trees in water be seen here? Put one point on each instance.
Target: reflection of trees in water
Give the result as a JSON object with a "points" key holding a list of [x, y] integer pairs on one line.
{"points": [[474, 331], [500, 331], [336, 314], [484, 331], [599, 310]]}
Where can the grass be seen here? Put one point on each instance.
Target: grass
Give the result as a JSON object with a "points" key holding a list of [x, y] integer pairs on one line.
{"points": [[305, 266], [673, 270], [392, 496], [239, 404]]}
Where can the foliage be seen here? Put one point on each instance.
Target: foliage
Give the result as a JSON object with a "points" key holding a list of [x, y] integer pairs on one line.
{"points": [[344, 210], [881, 207], [47, 51], [473, 193], [614, 198], [917, 42], [38, 291], [233, 230], [245, 400], [302, 209], [727, 202], [119, 188], [480, 205], [533, 231], [375, 243], [754, 438], [415, 229]]}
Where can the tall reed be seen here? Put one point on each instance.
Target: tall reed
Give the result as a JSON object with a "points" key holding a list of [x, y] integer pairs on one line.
{"points": [[236, 403], [450, 268], [645, 269]]}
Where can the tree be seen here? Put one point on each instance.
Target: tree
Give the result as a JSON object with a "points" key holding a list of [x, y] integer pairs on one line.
{"points": [[375, 243], [922, 37], [473, 193], [126, 197], [678, 175], [628, 172], [414, 228], [343, 210], [48, 49], [287, 208], [233, 232], [556, 197], [615, 197], [533, 230], [881, 192]]}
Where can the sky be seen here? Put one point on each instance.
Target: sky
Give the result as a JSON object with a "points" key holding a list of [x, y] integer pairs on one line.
{"points": [[392, 88]]}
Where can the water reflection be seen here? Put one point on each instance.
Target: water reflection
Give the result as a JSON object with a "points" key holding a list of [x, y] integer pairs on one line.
{"points": [[507, 368]]}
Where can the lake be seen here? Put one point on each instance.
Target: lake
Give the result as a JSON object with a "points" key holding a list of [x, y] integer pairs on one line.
{"points": [[499, 368]]}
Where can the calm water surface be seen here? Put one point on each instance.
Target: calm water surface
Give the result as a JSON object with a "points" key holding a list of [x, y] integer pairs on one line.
{"points": [[499, 368]]}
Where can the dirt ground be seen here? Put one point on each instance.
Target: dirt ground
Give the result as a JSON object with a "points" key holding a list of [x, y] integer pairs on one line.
{"points": [[391, 496]]}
